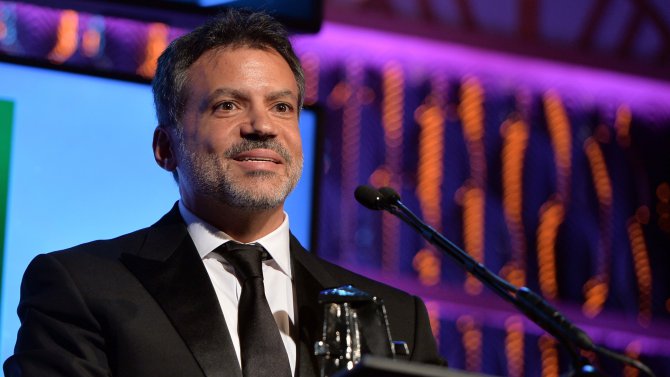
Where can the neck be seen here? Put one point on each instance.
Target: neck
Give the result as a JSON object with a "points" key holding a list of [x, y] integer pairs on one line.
{"points": [[242, 224]]}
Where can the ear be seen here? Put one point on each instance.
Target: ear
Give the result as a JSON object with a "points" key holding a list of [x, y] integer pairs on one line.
{"points": [[164, 149]]}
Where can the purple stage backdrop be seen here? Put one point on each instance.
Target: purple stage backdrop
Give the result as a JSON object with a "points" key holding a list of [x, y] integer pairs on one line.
{"points": [[554, 176]]}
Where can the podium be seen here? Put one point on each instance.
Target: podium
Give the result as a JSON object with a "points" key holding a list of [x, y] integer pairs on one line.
{"points": [[371, 366]]}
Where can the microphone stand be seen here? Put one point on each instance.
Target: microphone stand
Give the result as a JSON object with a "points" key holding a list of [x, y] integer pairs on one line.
{"points": [[531, 304]]}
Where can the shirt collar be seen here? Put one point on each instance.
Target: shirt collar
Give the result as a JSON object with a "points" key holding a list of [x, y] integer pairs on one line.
{"points": [[206, 238]]}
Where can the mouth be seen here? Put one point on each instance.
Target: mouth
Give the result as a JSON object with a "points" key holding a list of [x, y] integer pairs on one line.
{"points": [[259, 159], [259, 156]]}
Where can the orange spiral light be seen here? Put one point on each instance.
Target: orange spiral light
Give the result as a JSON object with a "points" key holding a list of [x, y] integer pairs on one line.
{"points": [[157, 41], [67, 37]]}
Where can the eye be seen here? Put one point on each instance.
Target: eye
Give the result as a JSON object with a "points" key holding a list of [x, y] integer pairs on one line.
{"points": [[283, 107], [225, 106]]}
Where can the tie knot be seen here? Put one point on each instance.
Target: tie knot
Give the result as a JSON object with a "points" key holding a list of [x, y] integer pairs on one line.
{"points": [[247, 259]]}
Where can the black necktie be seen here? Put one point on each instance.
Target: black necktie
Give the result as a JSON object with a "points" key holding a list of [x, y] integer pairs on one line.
{"points": [[262, 350]]}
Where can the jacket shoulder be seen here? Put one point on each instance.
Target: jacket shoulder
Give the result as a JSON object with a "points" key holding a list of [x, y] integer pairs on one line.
{"points": [[107, 248]]}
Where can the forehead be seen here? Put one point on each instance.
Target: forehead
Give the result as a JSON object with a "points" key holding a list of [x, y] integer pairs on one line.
{"points": [[240, 65]]}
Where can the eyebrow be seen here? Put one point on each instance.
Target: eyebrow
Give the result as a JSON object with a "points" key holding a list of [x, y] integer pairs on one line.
{"points": [[281, 94], [221, 92], [238, 94]]}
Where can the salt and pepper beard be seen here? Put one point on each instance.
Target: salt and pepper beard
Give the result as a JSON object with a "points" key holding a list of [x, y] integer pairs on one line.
{"points": [[207, 173]]}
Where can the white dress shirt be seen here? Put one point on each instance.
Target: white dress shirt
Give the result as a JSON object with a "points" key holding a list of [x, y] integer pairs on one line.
{"points": [[277, 276]]}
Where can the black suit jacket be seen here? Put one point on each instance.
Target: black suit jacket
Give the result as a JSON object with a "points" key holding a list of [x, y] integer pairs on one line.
{"points": [[143, 305]]}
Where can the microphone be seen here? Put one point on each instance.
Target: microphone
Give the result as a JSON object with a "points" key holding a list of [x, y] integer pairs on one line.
{"points": [[370, 197], [384, 199], [532, 305], [390, 195]]}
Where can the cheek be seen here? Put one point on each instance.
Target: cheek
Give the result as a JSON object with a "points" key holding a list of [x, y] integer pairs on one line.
{"points": [[294, 139], [213, 140], [296, 147], [217, 146]]}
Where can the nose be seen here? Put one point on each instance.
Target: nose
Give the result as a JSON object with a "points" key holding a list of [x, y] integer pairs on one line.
{"points": [[258, 125]]}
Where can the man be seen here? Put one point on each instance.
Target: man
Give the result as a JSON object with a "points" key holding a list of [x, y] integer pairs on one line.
{"points": [[167, 300]]}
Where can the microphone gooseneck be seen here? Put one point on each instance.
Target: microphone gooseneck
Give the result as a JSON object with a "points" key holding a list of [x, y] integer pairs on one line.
{"points": [[531, 304]]}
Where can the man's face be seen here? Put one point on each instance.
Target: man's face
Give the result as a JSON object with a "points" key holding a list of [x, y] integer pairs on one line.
{"points": [[240, 144]]}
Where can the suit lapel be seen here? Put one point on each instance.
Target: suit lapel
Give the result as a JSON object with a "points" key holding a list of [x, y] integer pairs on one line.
{"points": [[170, 269], [310, 279]]}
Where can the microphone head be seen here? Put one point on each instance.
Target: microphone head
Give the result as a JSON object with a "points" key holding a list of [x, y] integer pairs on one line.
{"points": [[389, 195], [369, 197]]}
